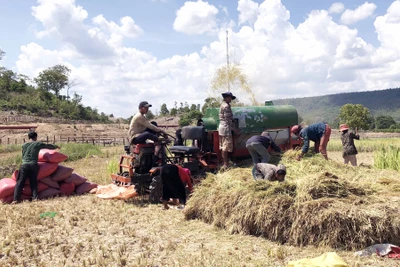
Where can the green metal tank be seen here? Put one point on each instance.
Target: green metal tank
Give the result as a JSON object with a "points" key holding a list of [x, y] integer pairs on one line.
{"points": [[255, 119]]}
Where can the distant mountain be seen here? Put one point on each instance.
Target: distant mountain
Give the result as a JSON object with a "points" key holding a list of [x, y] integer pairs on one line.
{"points": [[326, 107]]}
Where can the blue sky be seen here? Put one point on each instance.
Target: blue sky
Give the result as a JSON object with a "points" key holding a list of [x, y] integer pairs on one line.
{"points": [[169, 50], [17, 25]]}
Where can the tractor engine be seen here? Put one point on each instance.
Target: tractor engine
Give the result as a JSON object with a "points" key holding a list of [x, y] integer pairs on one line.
{"points": [[144, 158]]}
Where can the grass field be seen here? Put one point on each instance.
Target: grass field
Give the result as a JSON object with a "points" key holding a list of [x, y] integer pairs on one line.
{"points": [[88, 231]]}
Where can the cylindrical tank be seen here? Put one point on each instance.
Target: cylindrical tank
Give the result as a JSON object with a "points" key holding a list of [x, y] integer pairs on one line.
{"points": [[255, 119]]}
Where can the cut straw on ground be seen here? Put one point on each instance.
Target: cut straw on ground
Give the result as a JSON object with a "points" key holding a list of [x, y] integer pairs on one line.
{"points": [[321, 203]]}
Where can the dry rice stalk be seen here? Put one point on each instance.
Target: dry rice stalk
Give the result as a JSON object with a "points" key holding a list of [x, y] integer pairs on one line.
{"points": [[321, 203]]}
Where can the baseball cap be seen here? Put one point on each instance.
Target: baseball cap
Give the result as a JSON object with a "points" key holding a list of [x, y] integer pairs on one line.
{"points": [[144, 104]]}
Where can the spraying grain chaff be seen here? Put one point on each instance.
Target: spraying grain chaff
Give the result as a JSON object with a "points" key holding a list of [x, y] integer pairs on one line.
{"points": [[321, 203]]}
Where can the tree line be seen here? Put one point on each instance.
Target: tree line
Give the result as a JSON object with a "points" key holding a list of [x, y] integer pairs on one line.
{"points": [[42, 95]]}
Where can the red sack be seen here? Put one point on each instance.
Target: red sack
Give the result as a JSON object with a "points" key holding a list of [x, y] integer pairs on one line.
{"points": [[85, 187], [15, 176], [50, 183], [27, 189], [7, 187], [75, 179], [67, 188], [51, 156], [46, 169], [49, 192], [10, 199], [61, 173]]}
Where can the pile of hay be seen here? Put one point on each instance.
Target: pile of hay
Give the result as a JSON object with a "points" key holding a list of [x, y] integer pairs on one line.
{"points": [[321, 203]]}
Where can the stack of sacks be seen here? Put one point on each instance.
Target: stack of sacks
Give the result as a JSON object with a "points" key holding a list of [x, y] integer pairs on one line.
{"points": [[53, 179]]}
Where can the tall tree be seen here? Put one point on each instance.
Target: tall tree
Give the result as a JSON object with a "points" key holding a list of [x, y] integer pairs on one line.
{"points": [[164, 110], [210, 102], [53, 79], [355, 116], [2, 53], [232, 75], [384, 122]]}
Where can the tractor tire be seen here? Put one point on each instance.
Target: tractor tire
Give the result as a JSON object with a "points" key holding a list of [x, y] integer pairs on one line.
{"points": [[156, 190]]}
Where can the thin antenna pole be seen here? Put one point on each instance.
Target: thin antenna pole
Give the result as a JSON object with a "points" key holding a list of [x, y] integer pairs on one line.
{"points": [[227, 62]]}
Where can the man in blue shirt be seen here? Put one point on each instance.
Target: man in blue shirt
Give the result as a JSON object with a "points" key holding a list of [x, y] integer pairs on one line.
{"points": [[319, 133], [258, 147]]}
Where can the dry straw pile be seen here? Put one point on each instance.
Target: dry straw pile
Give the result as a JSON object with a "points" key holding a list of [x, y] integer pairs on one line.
{"points": [[321, 203]]}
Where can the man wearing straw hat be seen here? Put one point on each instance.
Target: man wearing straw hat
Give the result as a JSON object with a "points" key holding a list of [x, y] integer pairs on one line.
{"points": [[226, 128], [349, 148]]}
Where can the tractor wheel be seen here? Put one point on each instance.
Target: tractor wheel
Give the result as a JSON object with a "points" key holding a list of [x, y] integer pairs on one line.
{"points": [[156, 190]]}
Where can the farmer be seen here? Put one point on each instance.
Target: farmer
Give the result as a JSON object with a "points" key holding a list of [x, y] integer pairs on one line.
{"points": [[349, 149], [173, 186], [317, 132], [270, 172], [140, 128], [226, 128], [30, 168], [258, 145]]}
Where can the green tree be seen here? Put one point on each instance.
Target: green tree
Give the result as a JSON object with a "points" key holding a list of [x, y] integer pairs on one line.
{"points": [[355, 116], [150, 115], [193, 107], [53, 79], [210, 102], [164, 110], [384, 122], [2, 53], [173, 112], [229, 77]]}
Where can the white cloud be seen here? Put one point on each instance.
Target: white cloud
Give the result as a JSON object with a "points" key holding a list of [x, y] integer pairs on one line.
{"points": [[196, 18], [247, 11], [336, 8], [360, 13], [281, 60], [128, 27]]}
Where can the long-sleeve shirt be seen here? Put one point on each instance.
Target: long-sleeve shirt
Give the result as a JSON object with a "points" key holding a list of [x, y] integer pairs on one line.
{"points": [[265, 141], [349, 147], [184, 174], [225, 119], [30, 151], [313, 132], [139, 124], [267, 171]]}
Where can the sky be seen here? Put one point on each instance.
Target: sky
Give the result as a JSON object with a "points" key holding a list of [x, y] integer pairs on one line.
{"points": [[122, 52]]}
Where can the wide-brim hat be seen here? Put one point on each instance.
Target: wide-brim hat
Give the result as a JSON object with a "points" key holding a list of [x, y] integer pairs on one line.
{"points": [[228, 94], [343, 127]]}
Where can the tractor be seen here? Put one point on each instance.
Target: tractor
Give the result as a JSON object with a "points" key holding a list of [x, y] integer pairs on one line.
{"points": [[197, 147]]}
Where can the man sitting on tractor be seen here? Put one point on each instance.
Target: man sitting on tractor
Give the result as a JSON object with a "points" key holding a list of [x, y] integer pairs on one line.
{"points": [[141, 129]]}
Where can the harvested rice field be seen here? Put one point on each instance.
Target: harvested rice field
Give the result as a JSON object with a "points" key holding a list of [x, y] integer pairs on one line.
{"points": [[230, 220]]}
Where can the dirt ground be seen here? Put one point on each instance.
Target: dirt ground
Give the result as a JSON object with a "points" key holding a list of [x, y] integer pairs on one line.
{"points": [[88, 231]]}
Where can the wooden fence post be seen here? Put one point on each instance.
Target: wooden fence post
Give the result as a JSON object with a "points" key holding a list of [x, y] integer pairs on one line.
{"points": [[123, 141], [47, 139], [114, 141], [24, 141], [8, 140], [68, 140], [54, 139], [104, 143], [15, 141], [93, 141]]}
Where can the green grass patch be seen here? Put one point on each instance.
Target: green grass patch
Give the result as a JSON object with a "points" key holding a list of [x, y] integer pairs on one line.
{"points": [[365, 145], [387, 158], [10, 148], [80, 151]]}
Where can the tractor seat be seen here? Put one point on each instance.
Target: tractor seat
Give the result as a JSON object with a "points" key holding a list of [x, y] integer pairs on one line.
{"points": [[185, 149], [189, 133]]}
